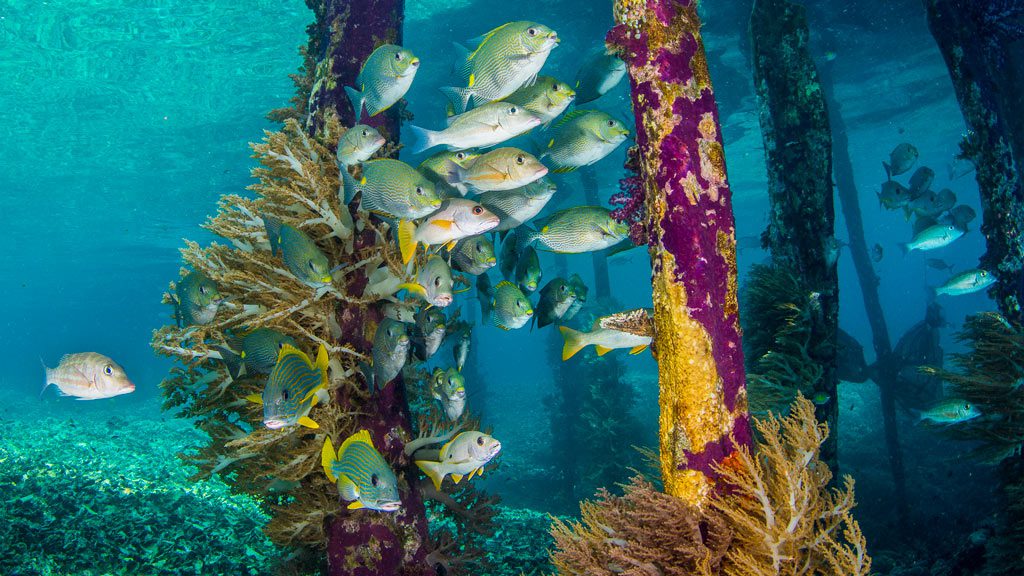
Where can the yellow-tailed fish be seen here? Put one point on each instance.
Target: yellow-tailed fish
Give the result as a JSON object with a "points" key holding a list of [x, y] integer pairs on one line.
{"points": [[293, 388], [383, 80], [502, 61], [457, 218], [433, 282], [528, 271], [473, 255], [519, 205], [357, 144], [581, 138], [488, 125], [300, 254], [504, 305], [967, 283], [253, 352], [393, 189], [465, 454], [88, 376], [435, 168], [390, 352], [631, 330], [577, 229], [449, 388], [932, 237], [547, 98], [598, 74], [500, 169], [362, 475], [197, 299], [430, 327]]}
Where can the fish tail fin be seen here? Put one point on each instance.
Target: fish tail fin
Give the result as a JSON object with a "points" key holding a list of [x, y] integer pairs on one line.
{"points": [[433, 471], [46, 377], [459, 97], [904, 248], [357, 100], [327, 458], [273, 227], [232, 361], [422, 139], [321, 364], [407, 240], [367, 371], [888, 170], [574, 342], [348, 187], [455, 174]]}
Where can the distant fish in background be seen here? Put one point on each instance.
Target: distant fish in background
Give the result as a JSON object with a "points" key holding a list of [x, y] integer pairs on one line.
{"points": [[961, 216], [449, 388], [598, 73], [893, 195], [967, 282], [933, 237], [945, 200], [383, 80], [921, 181], [877, 252], [461, 349], [939, 264], [509, 255], [749, 242], [821, 398], [959, 167], [362, 475], [293, 388], [467, 453], [300, 254], [950, 411], [357, 145], [197, 300], [901, 159], [88, 376], [254, 352]]}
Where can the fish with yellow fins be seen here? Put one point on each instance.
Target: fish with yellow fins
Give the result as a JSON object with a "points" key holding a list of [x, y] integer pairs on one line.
{"points": [[467, 453], [295, 386], [383, 80], [457, 218], [362, 475], [633, 329]]}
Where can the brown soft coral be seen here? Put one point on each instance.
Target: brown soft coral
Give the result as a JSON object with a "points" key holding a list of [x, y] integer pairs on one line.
{"points": [[641, 533]]}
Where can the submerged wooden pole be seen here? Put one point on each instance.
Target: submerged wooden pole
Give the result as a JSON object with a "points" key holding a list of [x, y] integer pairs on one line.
{"points": [[680, 204], [798, 153]]}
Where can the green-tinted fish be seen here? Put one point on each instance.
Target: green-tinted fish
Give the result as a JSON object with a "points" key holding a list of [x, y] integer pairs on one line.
{"points": [[292, 389], [435, 168], [578, 229], [254, 352], [430, 330], [504, 59], [598, 74], [961, 216], [580, 291], [390, 352], [547, 98], [556, 297], [901, 159], [361, 473], [474, 255], [433, 282], [481, 127], [357, 144], [925, 205], [510, 247], [632, 330], [197, 299], [384, 78], [518, 206], [392, 189], [582, 138], [893, 195], [933, 237], [505, 305], [457, 218], [499, 169], [821, 398], [449, 388], [967, 282], [921, 181], [461, 349], [467, 453], [945, 200], [88, 376], [950, 411], [528, 272], [302, 256]]}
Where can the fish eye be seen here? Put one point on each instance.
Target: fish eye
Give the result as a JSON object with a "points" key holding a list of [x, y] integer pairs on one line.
{"points": [[478, 210], [108, 370], [513, 110], [531, 31], [284, 394], [460, 155], [967, 406], [202, 290], [520, 159], [311, 265], [419, 190], [366, 132], [611, 123], [555, 87], [984, 273], [479, 440], [437, 281], [563, 288], [374, 480], [399, 56], [479, 248]]}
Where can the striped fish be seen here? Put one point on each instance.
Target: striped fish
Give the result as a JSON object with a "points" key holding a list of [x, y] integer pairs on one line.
{"points": [[88, 376], [576, 230], [362, 475], [547, 98], [518, 206], [383, 80], [292, 389], [254, 352], [393, 189], [300, 254], [582, 137], [196, 300]]}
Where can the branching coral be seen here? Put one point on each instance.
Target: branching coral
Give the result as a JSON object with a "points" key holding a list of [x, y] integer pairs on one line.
{"points": [[785, 517]]}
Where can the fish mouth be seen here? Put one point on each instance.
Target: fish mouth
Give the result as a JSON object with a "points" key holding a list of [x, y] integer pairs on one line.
{"points": [[327, 279], [460, 393], [442, 300], [403, 339], [531, 286], [529, 312], [541, 172], [128, 389], [390, 506], [274, 424], [492, 261], [380, 141], [494, 449]]}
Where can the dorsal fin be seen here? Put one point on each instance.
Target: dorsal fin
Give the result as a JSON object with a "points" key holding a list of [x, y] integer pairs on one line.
{"points": [[361, 436], [289, 350], [480, 41], [504, 283], [570, 115], [444, 448], [321, 363]]}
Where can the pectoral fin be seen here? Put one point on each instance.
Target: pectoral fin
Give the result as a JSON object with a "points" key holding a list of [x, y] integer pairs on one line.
{"points": [[414, 288], [356, 505], [255, 398], [637, 349], [308, 422]]}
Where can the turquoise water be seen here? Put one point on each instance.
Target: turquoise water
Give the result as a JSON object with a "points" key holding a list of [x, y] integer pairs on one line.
{"points": [[124, 122]]}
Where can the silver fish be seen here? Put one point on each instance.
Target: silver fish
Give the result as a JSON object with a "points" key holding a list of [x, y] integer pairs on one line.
{"points": [[88, 376]]}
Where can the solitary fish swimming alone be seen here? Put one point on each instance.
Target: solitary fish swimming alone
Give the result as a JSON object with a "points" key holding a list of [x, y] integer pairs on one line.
{"points": [[88, 376], [467, 453]]}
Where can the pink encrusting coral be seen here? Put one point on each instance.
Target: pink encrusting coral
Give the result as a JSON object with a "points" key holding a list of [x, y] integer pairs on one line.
{"points": [[682, 196]]}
